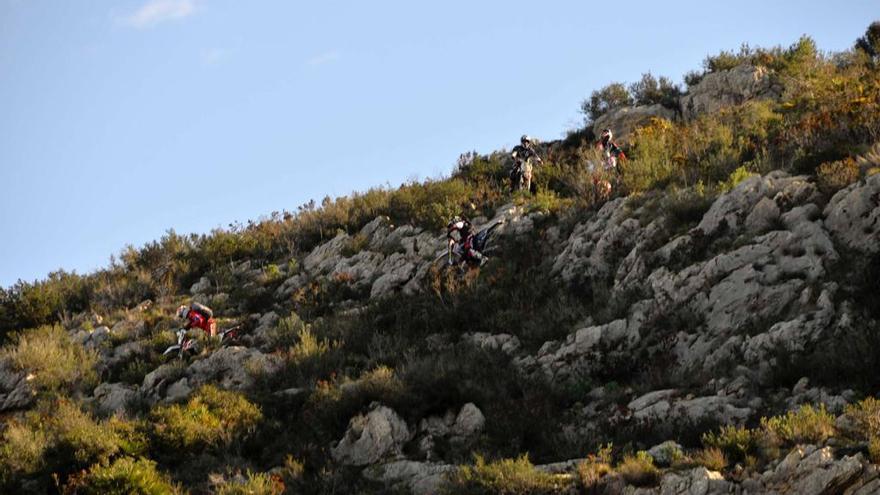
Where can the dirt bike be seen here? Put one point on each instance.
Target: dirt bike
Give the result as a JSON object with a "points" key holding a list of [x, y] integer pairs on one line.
{"points": [[518, 179], [481, 243], [188, 346]]}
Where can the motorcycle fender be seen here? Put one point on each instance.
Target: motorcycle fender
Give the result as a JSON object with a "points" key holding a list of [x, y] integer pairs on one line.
{"points": [[171, 349]]}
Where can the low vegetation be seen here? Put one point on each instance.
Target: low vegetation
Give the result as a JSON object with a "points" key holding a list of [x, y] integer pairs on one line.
{"points": [[338, 355], [506, 476]]}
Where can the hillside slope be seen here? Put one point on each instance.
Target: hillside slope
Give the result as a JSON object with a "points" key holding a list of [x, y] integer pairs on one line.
{"points": [[712, 328]]}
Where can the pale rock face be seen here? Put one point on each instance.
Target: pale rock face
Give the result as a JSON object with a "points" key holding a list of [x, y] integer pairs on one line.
{"points": [[201, 287], [178, 391], [853, 216], [93, 339], [458, 429], [763, 217], [378, 435], [395, 271], [506, 343], [15, 392], [113, 398], [811, 470], [665, 406], [232, 368], [469, 422], [697, 481], [725, 88], [418, 478]]}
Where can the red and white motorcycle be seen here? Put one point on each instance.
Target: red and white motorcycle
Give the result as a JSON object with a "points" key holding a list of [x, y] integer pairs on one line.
{"points": [[188, 346]]}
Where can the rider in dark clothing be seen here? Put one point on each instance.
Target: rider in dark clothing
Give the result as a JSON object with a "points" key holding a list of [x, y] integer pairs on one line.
{"points": [[465, 238], [524, 157]]}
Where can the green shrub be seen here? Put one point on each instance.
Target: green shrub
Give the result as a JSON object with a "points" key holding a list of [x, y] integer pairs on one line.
{"points": [[124, 476], [805, 425], [650, 91], [834, 176], [737, 176], [544, 202], [77, 433], [429, 204], [597, 465], [874, 449], [23, 449], [726, 60], [212, 418], [711, 458], [870, 42], [656, 158], [735, 442], [602, 101], [272, 273], [26, 305], [355, 244], [866, 415], [506, 476], [285, 332], [54, 361], [309, 347], [58, 436], [639, 469], [254, 484]]}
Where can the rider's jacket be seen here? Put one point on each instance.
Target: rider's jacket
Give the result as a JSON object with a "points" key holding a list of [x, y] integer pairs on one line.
{"points": [[465, 231], [194, 319], [610, 148], [522, 153], [463, 227]]}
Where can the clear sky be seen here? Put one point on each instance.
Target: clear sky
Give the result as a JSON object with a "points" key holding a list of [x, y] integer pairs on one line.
{"points": [[122, 119]]}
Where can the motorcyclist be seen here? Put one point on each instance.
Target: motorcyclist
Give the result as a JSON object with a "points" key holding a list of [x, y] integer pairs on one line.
{"points": [[611, 152], [466, 235], [524, 158], [198, 316]]}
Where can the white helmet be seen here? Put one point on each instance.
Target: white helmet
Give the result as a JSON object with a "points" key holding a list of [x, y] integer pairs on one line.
{"points": [[606, 133], [182, 312], [525, 139]]}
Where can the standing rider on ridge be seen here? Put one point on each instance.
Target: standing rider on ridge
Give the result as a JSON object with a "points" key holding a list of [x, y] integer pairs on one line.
{"points": [[524, 157]]}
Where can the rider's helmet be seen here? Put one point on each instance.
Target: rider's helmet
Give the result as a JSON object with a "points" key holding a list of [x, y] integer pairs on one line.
{"points": [[182, 312], [525, 139], [454, 220], [606, 135]]}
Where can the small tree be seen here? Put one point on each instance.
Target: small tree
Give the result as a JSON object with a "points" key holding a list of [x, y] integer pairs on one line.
{"points": [[870, 42], [650, 91], [602, 101]]}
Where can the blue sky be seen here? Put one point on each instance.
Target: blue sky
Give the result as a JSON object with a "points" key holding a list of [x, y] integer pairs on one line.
{"points": [[122, 119]]}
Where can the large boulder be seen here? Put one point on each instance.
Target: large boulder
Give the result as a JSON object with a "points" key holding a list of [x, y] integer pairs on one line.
{"points": [[395, 272], [379, 434], [417, 478], [113, 398], [15, 389], [697, 481], [810, 470], [853, 216], [201, 287], [232, 368], [727, 87]]}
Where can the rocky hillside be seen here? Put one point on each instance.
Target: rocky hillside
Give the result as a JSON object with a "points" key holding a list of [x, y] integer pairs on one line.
{"points": [[714, 335]]}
